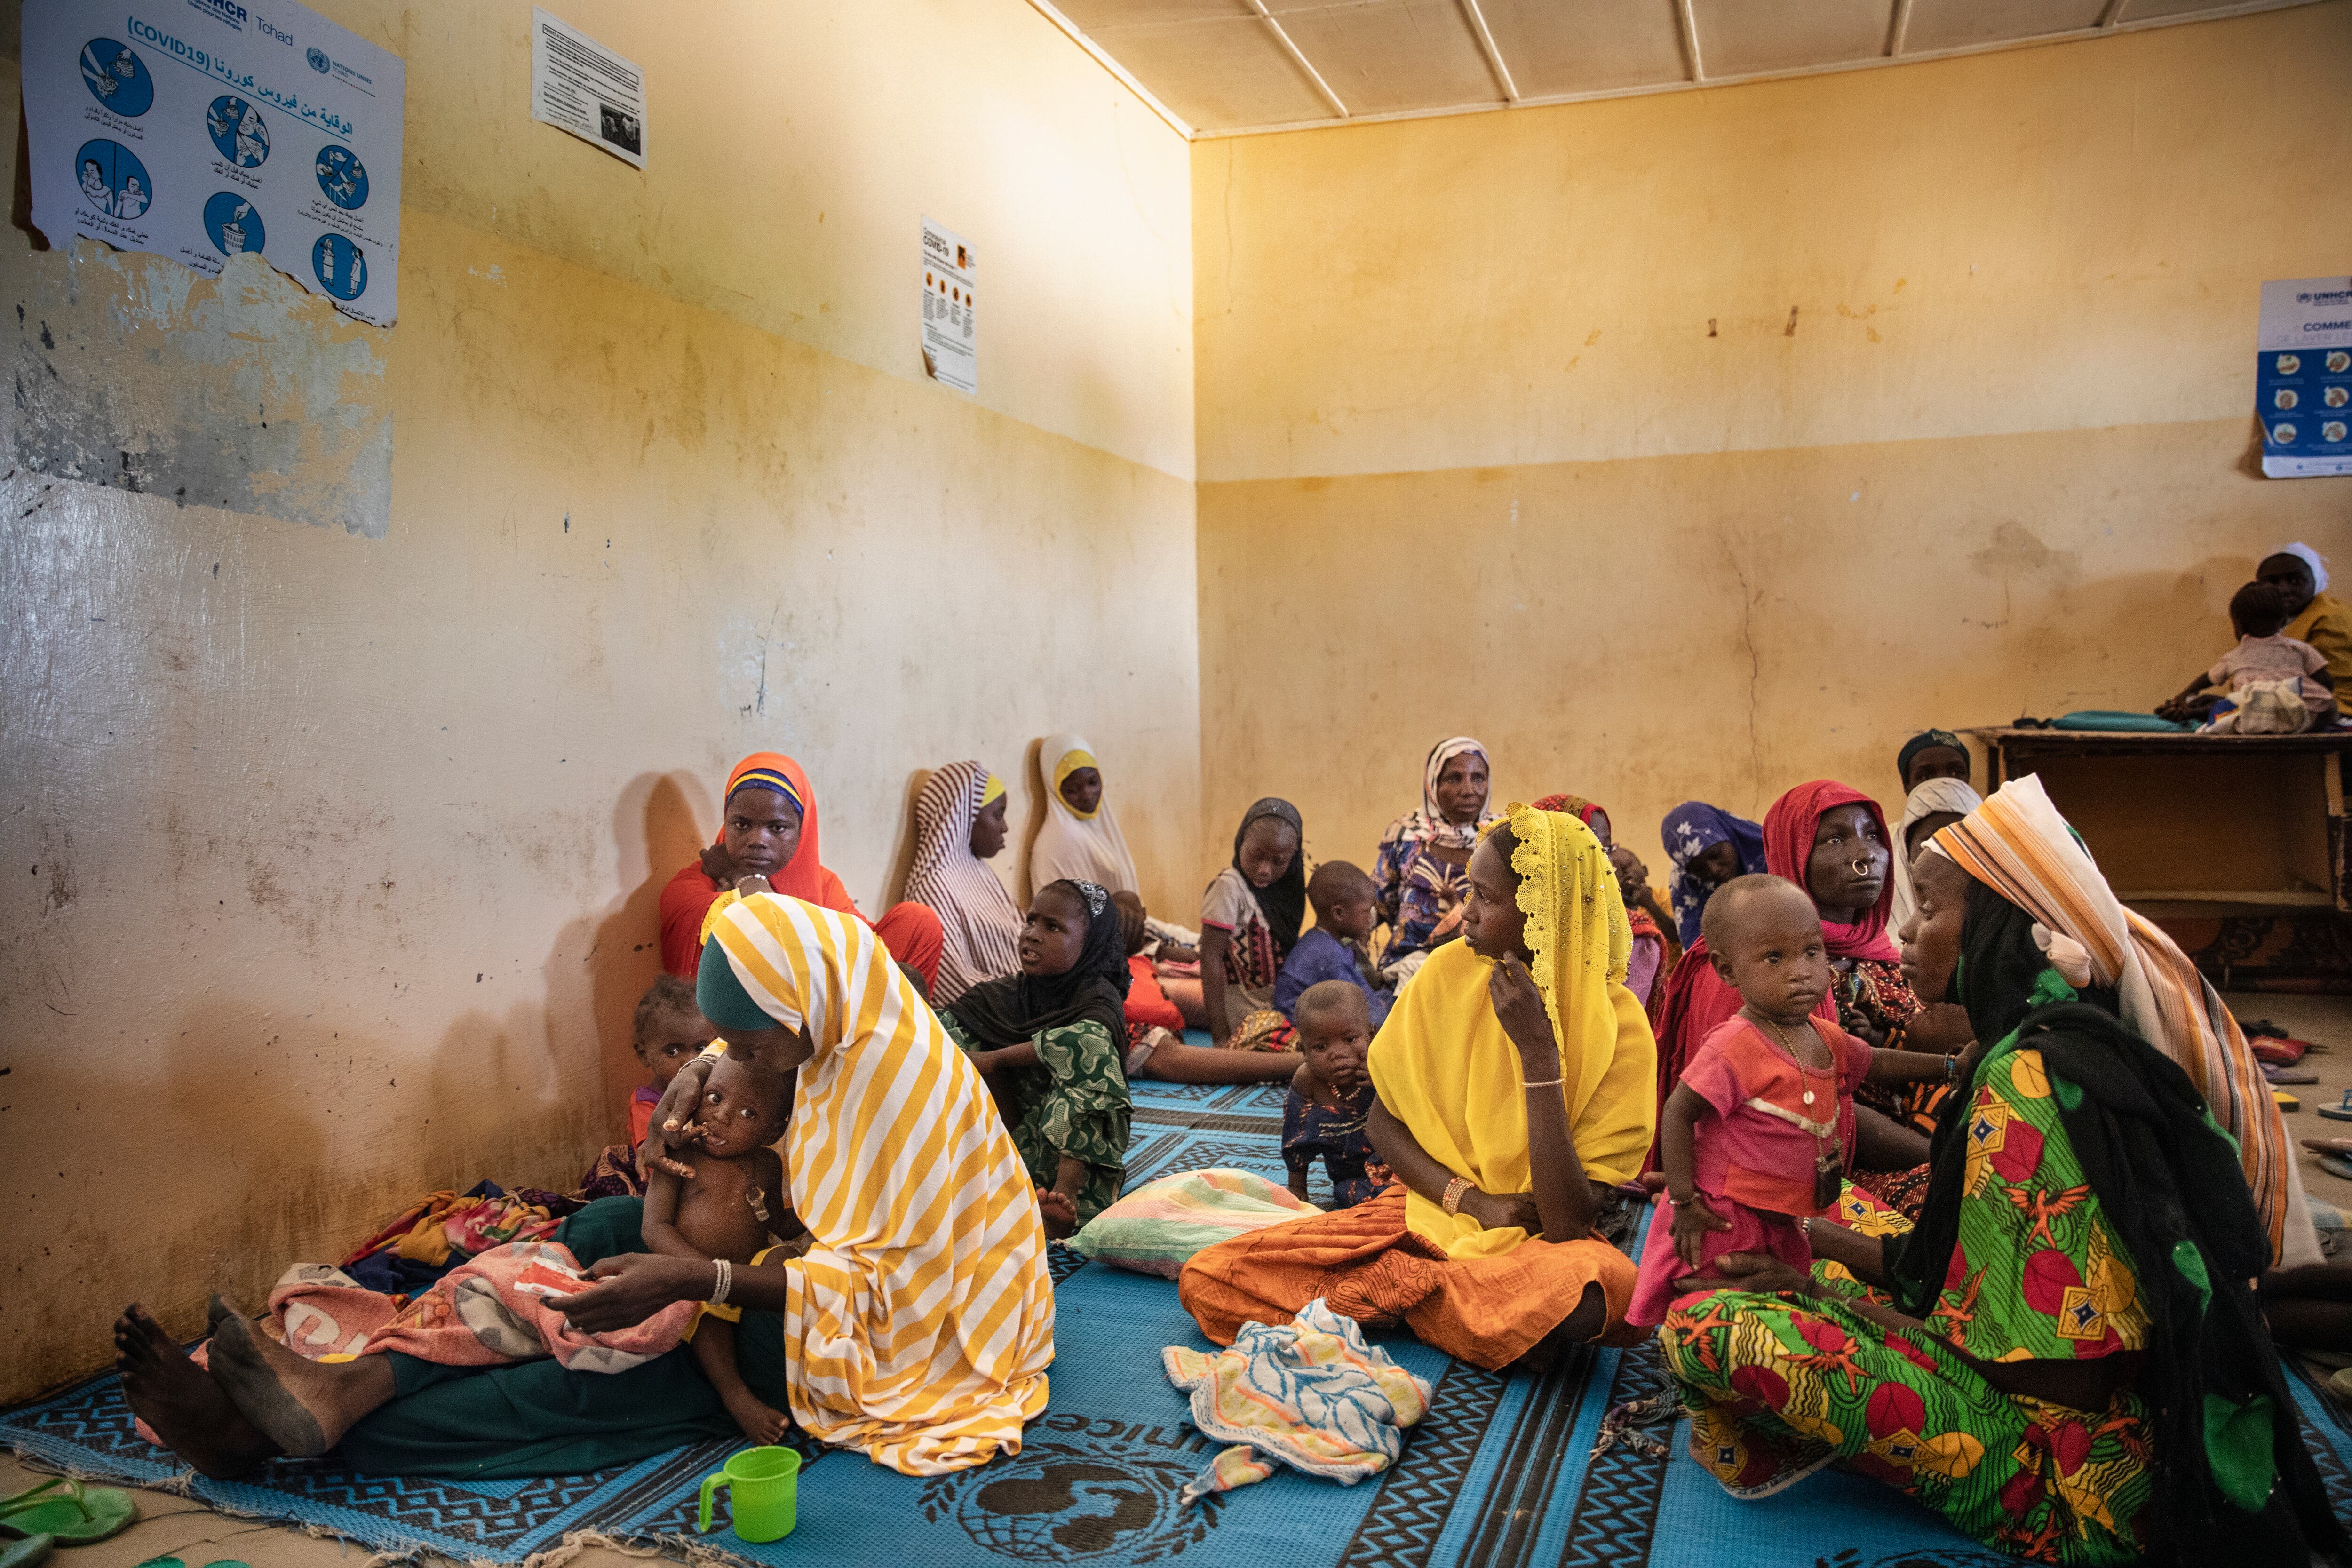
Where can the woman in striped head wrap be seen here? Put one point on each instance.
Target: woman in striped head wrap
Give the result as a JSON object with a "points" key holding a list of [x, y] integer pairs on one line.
{"points": [[917, 1328], [2064, 1358], [768, 827], [959, 824]]}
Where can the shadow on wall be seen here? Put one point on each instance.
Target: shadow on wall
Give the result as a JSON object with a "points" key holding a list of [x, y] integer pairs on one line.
{"points": [[602, 964], [904, 841], [1032, 767]]}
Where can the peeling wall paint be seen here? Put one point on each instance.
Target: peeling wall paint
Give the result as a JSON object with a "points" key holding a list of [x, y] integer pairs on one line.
{"points": [[329, 856], [1702, 444], [238, 392]]}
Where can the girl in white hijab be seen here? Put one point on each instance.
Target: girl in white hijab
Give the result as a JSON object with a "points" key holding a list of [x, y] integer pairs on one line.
{"points": [[1948, 798], [1086, 845]]}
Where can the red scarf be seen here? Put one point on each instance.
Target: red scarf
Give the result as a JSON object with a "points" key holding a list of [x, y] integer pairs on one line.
{"points": [[1789, 829]]}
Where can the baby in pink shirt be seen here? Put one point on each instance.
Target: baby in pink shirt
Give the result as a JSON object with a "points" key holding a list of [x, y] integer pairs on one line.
{"points": [[2258, 614], [1754, 1139]]}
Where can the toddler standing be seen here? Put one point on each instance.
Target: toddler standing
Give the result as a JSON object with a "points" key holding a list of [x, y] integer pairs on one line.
{"points": [[1331, 1104], [1753, 1139]]}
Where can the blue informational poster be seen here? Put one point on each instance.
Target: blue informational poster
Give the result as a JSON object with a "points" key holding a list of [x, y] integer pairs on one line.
{"points": [[2303, 377], [199, 129]]}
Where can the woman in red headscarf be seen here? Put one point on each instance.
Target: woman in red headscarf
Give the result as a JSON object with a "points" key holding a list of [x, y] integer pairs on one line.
{"points": [[1830, 839], [768, 828]]}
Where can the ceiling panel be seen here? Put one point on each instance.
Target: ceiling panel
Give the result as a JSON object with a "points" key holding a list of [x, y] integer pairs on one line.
{"points": [[1587, 46], [2145, 10], [1216, 74], [1093, 14], [1956, 23], [1386, 55], [1737, 36], [1220, 67]]}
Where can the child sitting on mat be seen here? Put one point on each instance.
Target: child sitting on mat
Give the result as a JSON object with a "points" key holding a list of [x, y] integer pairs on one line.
{"points": [[1346, 908], [1753, 1140], [726, 1211], [1331, 1096]]}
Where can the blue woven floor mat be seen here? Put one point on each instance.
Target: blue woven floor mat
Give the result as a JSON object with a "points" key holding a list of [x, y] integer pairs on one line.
{"points": [[1497, 1476]]}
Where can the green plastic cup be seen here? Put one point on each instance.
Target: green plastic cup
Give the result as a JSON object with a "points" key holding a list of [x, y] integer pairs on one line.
{"points": [[762, 1494]]}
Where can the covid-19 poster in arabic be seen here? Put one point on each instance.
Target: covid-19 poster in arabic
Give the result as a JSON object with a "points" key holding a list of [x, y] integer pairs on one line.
{"points": [[197, 128]]}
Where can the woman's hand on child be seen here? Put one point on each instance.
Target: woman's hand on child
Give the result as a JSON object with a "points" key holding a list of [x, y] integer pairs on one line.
{"points": [[1693, 1221], [1520, 1008], [633, 1286], [1758, 1271]]}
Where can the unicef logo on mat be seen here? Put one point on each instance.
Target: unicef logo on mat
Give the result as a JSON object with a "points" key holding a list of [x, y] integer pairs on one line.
{"points": [[318, 61], [1076, 1502]]}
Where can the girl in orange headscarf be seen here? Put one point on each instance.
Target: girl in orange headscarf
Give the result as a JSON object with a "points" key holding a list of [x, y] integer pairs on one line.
{"points": [[768, 827]]}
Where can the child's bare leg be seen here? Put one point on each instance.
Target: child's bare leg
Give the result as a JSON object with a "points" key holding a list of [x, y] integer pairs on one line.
{"points": [[714, 1350], [1186, 994]]}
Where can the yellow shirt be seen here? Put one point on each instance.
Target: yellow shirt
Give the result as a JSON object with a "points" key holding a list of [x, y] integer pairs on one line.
{"points": [[2327, 626]]}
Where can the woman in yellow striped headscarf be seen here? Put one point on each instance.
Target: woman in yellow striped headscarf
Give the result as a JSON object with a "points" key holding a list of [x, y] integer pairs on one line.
{"points": [[918, 1326], [1515, 1082]]}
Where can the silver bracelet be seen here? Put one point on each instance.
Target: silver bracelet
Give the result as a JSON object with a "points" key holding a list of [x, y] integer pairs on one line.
{"points": [[726, 1281]]}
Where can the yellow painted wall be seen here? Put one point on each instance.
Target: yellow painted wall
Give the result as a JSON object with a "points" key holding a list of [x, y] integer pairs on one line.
{"points": [[343, 850], [1702, 444]]}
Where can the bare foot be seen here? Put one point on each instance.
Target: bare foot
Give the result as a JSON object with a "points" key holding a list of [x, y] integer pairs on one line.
{"points": [[1060, 1214], [304, 1406], [759, 1421], [186, 1408]]}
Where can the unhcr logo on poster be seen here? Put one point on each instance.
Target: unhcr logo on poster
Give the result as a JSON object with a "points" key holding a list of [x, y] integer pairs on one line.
{"points": [[318, 61], [227, 11]]}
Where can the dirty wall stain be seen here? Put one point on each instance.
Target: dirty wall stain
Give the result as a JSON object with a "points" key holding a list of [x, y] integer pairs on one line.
{"points": [[241, 391]]}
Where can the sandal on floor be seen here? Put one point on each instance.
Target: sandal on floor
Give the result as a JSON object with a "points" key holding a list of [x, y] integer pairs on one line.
{"points": [[2341, 1383], [2339, 1113], [2337, 1165], [70, 1513], [24, 1553], [2339, 1147]]}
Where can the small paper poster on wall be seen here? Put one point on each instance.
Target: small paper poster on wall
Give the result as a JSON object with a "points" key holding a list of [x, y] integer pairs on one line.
{"points": [[950, 350], [215, 126], [2303, 377], [579, 85]]}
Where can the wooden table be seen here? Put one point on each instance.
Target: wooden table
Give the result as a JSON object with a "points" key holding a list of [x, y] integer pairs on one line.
{"points": [[2187, 825]]}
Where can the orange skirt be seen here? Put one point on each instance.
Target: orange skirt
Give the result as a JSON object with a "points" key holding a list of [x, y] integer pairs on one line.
{"points": [[1367, 1265]]}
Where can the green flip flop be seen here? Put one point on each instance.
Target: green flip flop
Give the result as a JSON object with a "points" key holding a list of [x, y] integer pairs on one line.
{"points": [[71, 1514], [24, 1553]]}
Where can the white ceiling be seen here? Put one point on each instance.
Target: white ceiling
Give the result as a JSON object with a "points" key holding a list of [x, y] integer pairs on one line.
{"points": [[1228, 67]]}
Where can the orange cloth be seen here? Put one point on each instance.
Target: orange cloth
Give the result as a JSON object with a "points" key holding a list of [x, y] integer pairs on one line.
{"points": [[911, 931], [1367, 1263], [1147, 1003]]}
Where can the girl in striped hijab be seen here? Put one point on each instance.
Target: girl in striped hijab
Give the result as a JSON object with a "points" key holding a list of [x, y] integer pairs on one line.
{"points": [[960, 824]]}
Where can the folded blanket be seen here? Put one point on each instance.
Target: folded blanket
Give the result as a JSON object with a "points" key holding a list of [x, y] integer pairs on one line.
{"points": [[501, 1306], [1310, 1393]]}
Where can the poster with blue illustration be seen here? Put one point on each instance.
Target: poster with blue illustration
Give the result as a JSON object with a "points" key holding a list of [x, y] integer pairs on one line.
{"points": [[201, 128], [2303, 377]]}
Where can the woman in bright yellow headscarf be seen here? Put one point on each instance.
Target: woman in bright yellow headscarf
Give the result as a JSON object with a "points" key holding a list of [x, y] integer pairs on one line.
{"points": [[1516, 1089]]}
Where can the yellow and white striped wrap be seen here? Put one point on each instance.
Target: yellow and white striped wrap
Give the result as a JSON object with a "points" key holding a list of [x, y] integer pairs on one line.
{"points": [[2019, 845], [919, 1326]]}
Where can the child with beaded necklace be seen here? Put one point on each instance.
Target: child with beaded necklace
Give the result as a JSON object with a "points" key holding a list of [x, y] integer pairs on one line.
{"points": [[1753, 1140]]}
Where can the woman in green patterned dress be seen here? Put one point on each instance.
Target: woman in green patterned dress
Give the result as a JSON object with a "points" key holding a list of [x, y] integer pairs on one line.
{"points": [[2064, 1358], [1052, 1043]]}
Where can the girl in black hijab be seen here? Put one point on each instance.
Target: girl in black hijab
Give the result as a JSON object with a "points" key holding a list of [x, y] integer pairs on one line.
{"points": [[1051, 1041], [1249, 922]]}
